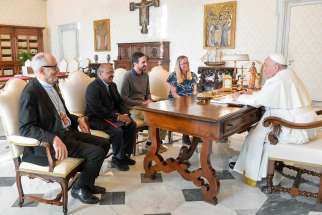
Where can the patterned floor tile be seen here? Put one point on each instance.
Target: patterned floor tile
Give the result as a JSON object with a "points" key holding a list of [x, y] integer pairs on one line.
{"points": [[278, 205], [7, 181], [113, 198], [192, 195], [224, 175], [158, 179]]}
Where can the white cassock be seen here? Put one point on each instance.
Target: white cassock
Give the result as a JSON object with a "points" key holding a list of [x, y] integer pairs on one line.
{"points": [[285, 96]]}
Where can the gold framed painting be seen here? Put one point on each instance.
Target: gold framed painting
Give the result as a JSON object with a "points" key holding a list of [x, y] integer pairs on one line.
{"points": [[102, 36], [220, 25]]}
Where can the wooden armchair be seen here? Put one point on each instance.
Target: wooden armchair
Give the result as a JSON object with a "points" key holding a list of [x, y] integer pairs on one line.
{"points": [[293, 156], [73, 90], [61, 171]]}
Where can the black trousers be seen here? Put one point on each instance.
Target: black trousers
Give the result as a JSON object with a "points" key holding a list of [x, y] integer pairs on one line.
{"points": [[122, 138], [92, 149]]}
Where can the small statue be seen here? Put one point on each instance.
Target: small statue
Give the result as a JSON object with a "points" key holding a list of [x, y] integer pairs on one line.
{"points": [[252, 76], [108, 58], [96, 58]]}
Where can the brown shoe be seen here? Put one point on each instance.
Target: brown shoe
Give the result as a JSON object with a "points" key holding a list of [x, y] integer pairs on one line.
{"points": [[162, 149]]}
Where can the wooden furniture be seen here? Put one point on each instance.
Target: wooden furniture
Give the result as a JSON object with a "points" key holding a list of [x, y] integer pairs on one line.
{"points": [[211, 77], [208, 122], [62, 172], [14, 40], [27, 78], [298, 156], [158, 53]]}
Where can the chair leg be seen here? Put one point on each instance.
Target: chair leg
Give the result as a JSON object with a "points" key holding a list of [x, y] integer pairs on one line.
{"points": [[64, 187], [169, 137], [320, 190], [20, 190], [270, 174]]}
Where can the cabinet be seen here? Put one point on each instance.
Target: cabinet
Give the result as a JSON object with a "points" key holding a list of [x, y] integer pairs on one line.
{"points": [[14, 40], [158, 53], [211, 77]]}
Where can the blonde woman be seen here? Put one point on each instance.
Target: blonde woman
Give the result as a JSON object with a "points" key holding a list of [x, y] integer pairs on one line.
{"points": [[182, 82]]}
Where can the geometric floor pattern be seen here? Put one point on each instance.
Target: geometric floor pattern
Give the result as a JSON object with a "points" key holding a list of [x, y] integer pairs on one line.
{"points": [[129, 193]]}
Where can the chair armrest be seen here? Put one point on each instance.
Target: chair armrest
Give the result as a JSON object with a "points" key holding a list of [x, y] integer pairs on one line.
{"points": [[23, 141], [276, 121], [31, 142]]}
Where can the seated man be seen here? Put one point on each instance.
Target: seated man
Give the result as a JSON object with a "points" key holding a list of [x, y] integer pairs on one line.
{"points": [[44, 116], [283, 95], [136, 90], [106, 111]]}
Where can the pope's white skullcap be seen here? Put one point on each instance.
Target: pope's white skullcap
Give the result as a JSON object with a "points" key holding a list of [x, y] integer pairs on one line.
{"points": [[278, 58]]}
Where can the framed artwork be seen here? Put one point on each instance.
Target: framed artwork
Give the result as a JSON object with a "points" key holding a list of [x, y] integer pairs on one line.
{"points": [[220, 25], [102, 36]]}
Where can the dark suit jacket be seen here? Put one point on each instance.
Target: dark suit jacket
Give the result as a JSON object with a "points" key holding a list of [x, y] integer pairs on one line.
{"points": [[39, 119], [103, 105]]}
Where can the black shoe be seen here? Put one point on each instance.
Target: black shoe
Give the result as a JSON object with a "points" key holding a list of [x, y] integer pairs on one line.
{"points": [[232, 165], [97, 190], [119, 164], [84, 196], [129, 161]]}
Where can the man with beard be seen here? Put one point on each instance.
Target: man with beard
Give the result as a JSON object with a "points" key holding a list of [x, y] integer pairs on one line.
{"points": [[136, 89]]}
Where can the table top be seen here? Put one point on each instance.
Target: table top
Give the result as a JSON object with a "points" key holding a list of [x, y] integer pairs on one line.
{"points": [[188, 107]]}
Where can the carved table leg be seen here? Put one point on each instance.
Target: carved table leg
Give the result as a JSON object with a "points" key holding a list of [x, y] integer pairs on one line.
{"points": [[186, 153], [210, 189], [153, 153]]}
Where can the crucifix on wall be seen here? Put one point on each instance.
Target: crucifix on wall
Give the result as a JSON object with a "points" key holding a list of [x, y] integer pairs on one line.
{"points": [[144, 8]]}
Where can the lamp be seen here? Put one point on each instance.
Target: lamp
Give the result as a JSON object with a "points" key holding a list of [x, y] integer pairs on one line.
{"points": [[235, 58]]}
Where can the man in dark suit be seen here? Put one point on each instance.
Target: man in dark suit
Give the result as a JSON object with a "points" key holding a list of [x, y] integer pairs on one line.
{"points": [[106, 111], [44, 116]]}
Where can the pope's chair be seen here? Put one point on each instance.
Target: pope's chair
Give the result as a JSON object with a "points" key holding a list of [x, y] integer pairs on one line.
{"points": [[293, 156], [119, 76], [62, 172], [73, 90]]}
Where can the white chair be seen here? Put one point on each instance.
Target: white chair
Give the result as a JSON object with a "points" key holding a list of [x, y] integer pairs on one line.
{"points": [[61, 171], [119, 76], [73, 90], [73, 66], [298, 157], [63, 65], [159, 87]]}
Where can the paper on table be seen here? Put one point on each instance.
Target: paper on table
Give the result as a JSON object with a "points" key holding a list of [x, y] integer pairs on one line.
{"points": [[226, 100]]}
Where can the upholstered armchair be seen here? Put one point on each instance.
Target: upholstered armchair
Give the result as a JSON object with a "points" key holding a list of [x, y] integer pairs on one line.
{"points": [[119, 76], [73, 66], [158, 83], [297, 157], [63, 65], [73, 90], [62, 172]]}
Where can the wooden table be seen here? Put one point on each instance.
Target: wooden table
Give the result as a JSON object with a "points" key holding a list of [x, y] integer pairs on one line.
{"points": [[208, 122]]}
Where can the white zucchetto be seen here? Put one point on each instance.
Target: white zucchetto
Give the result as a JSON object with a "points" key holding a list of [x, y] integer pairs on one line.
{"points": [[278, 58]]}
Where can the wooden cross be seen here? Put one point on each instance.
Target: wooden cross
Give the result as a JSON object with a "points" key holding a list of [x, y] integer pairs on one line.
{"points": [[144, 7]]}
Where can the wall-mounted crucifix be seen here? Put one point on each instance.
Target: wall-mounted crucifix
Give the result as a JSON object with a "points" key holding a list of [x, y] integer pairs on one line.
{"points": [[144, 8]]}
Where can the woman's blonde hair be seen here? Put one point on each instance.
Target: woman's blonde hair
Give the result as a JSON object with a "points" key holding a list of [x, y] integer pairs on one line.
{"points": [[177, 69]]}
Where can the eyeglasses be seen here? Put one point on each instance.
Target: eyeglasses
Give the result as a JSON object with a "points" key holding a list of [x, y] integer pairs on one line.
{"points": [[51, 66]]}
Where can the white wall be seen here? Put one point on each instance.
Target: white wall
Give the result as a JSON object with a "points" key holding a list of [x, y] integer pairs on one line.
{"points": [[177, 21], [24, 13]]}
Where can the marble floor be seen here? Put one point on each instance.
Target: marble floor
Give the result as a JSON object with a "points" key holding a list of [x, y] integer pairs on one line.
{"points": [[128, 193]]}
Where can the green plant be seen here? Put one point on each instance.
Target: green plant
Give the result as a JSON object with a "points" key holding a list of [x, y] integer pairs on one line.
{"points": [[24, 56]]}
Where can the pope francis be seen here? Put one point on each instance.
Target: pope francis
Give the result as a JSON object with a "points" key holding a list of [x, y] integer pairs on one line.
{"points": [[283, 95]]}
